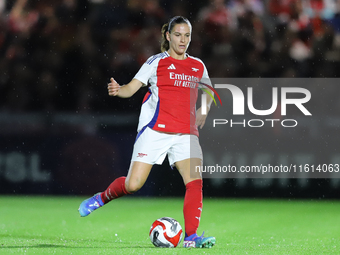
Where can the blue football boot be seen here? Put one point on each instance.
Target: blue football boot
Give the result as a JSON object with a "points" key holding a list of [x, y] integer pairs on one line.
{"points": [[90, 204], [195, 241]]}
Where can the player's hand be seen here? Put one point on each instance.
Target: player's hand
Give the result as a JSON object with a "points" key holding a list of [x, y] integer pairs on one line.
{"points": [[200, 118], [113, 87]]}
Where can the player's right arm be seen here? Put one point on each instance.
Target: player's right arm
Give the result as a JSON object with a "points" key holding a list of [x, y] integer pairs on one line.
{"points": [[124, 91], [141, 78]]}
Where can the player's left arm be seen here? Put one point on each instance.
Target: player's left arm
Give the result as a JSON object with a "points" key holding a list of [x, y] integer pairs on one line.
{"points": [[201, 114]]}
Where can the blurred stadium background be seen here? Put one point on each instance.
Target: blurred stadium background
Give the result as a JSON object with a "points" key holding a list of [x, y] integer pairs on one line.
{"points": [[60, 133]]}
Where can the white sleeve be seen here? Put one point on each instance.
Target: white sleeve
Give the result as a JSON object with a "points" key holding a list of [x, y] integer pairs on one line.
{"points": [[146, 71], [205, 78]]}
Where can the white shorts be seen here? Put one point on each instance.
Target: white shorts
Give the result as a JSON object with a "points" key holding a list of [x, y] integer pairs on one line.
{"points": [[152, 146]]}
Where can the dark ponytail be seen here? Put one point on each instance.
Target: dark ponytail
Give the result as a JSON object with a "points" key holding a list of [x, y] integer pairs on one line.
{"points": [[164, 43], [168, 27]]}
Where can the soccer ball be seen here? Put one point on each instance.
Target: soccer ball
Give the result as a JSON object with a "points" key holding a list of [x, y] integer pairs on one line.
{"points": [[166, 232]]}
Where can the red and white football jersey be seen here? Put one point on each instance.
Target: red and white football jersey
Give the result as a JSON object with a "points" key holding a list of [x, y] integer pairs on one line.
{"points": [[170, 103]]}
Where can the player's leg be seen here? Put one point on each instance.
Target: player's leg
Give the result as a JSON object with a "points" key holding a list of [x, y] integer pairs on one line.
{"points": [[185, 154], [137, 175], [187, 169], [193, 203], [150, 148], [193, 199]]}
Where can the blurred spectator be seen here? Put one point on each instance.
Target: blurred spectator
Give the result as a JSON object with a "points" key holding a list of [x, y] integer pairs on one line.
{"points": [[241, 7], [59, 55], [2, 6], [214, 24], [23, 17]]}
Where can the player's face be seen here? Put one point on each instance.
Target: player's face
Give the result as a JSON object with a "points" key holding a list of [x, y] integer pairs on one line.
{"points": [[179, 39]]}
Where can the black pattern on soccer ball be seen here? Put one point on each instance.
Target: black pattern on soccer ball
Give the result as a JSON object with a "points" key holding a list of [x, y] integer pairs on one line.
{"points": [[157, 242]]}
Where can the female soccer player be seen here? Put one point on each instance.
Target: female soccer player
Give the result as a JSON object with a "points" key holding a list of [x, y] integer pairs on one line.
{"points": [[167, 126]]}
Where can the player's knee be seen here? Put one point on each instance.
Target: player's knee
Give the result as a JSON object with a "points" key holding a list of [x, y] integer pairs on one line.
{"points": [[133, 186]]}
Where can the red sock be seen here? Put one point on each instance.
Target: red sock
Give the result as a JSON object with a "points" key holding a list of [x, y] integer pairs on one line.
{"points": [[192, 206], [115, 190]]}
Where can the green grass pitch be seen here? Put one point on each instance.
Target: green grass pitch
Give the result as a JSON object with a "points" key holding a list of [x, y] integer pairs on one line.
{"points": [[52, 225]]}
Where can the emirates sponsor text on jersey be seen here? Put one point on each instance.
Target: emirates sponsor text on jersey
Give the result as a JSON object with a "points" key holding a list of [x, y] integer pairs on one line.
{"points": [[184, 80]]}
